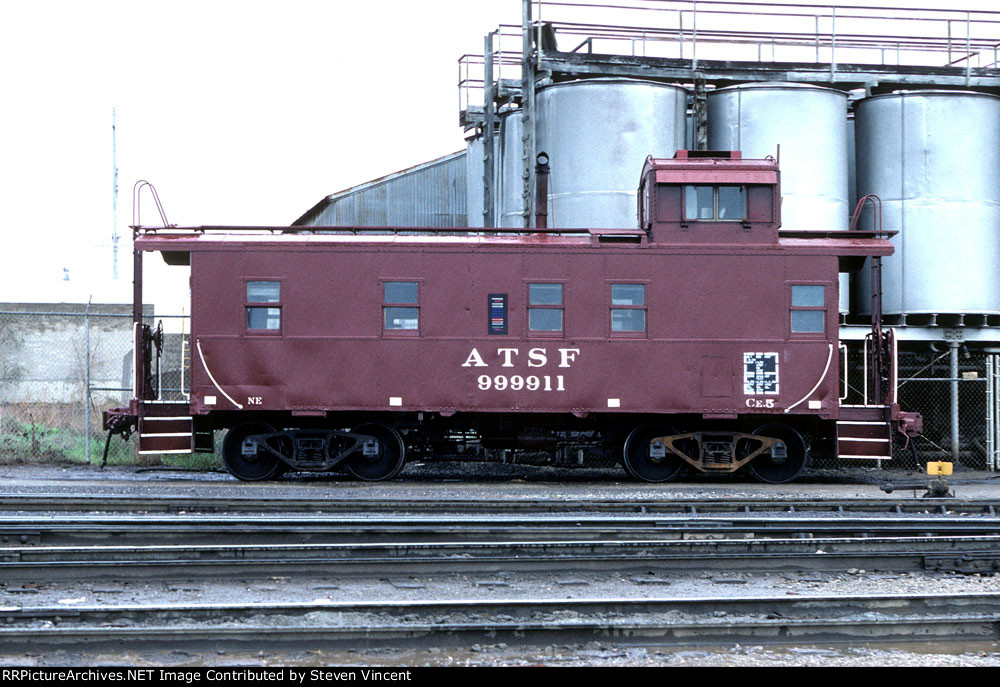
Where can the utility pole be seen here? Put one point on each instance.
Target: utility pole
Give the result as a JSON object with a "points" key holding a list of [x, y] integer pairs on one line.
{"points": [[114, 196]]}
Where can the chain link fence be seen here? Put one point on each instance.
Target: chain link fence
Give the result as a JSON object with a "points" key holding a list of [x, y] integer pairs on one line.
{"points": [[61, 366], [966, 432]]}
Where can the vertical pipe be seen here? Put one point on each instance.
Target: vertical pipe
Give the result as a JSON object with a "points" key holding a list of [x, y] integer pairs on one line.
{"points": [[996, 413], [680, 27], [833, 44], [949, 42], [694, 37], [489, 153], [528, 116], [817, 38], [184, 391], [86, 380], [159, 373], [542, 191], [968, 48], [139, 357], [994, 372], [953, 356], [461, 84], [989, 411], [114, 197]]}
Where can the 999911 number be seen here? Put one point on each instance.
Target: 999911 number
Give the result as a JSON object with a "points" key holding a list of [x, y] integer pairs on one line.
{"points": [[518, 383]]}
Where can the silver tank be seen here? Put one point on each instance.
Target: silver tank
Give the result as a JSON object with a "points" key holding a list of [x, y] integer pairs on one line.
{"points": [[510, 180], [598, 133], [933, 157], [809, 123]]}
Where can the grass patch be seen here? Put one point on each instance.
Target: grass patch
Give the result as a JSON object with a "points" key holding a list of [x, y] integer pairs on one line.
{"points": [[32, 443]]}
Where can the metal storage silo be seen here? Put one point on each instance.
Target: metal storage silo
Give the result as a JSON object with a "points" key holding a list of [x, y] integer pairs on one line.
{"points": [[598, 133], [510, 184], [934, 160], [810, 125]]}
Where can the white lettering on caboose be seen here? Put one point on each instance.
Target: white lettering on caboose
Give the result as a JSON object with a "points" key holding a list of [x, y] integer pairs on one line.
{"points": [[536, 357]]}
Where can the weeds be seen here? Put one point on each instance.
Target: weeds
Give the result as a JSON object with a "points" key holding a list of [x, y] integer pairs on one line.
{"points": [[29, 442]]}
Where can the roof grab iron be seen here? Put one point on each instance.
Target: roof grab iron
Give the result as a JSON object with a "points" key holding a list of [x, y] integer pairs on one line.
{"points": [[136, 198]]}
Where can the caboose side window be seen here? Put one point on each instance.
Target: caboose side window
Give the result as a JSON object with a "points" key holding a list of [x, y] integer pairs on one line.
{"points": [[628, 308], [263, 318], [808, 309], [400, 306], [545, 312], [718, 203]]}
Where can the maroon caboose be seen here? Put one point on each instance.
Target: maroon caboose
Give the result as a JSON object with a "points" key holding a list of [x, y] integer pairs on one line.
{"points": [[704, 338]]}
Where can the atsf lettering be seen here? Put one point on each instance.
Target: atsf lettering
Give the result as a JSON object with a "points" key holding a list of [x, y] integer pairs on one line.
{"points": [[536, 357]]}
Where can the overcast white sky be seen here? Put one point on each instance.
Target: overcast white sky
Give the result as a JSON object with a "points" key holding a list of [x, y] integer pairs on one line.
{"points": [[238, 112], [242, 112]]}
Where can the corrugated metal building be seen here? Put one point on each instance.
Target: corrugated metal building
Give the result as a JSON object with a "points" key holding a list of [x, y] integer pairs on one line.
{"points": [[431, 194]]}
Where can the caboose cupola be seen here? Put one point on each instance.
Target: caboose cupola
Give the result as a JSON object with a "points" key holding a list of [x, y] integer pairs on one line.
{"points": [[703, 196]]}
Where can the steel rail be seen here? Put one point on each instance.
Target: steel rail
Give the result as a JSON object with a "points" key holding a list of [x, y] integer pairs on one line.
{"points": [[234, 529], [963, 553], [658, 621], [167, 503]]}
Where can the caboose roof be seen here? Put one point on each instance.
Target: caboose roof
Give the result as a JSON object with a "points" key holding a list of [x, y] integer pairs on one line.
{"points": [[711, 167], [176, 242]]}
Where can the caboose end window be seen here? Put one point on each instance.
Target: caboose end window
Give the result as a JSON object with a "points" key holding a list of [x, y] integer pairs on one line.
{"points": [[401, 306], [263, 306]]}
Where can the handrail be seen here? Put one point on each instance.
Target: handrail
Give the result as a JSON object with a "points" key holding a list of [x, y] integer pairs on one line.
{"points": [[386, 231], [876, 212], [950, 38], [136, 197]]}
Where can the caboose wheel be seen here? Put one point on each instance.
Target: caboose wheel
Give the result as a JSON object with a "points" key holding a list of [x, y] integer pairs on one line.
{"points": [[251, 462], [648, 462], [381, 460], [783, 465]]}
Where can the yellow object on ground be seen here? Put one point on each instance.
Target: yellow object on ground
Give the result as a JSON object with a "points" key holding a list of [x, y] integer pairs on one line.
{"points": [[939, 468]]}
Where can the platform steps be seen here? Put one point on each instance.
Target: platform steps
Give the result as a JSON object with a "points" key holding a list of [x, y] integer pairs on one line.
{"points": [[167, 427], [864, 433]]}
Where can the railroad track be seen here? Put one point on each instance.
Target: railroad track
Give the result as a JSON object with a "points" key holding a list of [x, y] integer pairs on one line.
{"points": [[660, 622], [170, 503], [88, 529], [969, 554]]}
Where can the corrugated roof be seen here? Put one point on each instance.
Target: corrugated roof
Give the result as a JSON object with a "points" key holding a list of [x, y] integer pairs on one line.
{"points": [[431, 193]]}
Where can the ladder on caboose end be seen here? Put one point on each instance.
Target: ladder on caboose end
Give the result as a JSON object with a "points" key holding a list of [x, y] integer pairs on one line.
{"points": [[864, 432], [168, 427]]}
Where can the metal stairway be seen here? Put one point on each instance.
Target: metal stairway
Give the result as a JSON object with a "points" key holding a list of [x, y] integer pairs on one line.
{"points": [[864, 433], [165, 427]]}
